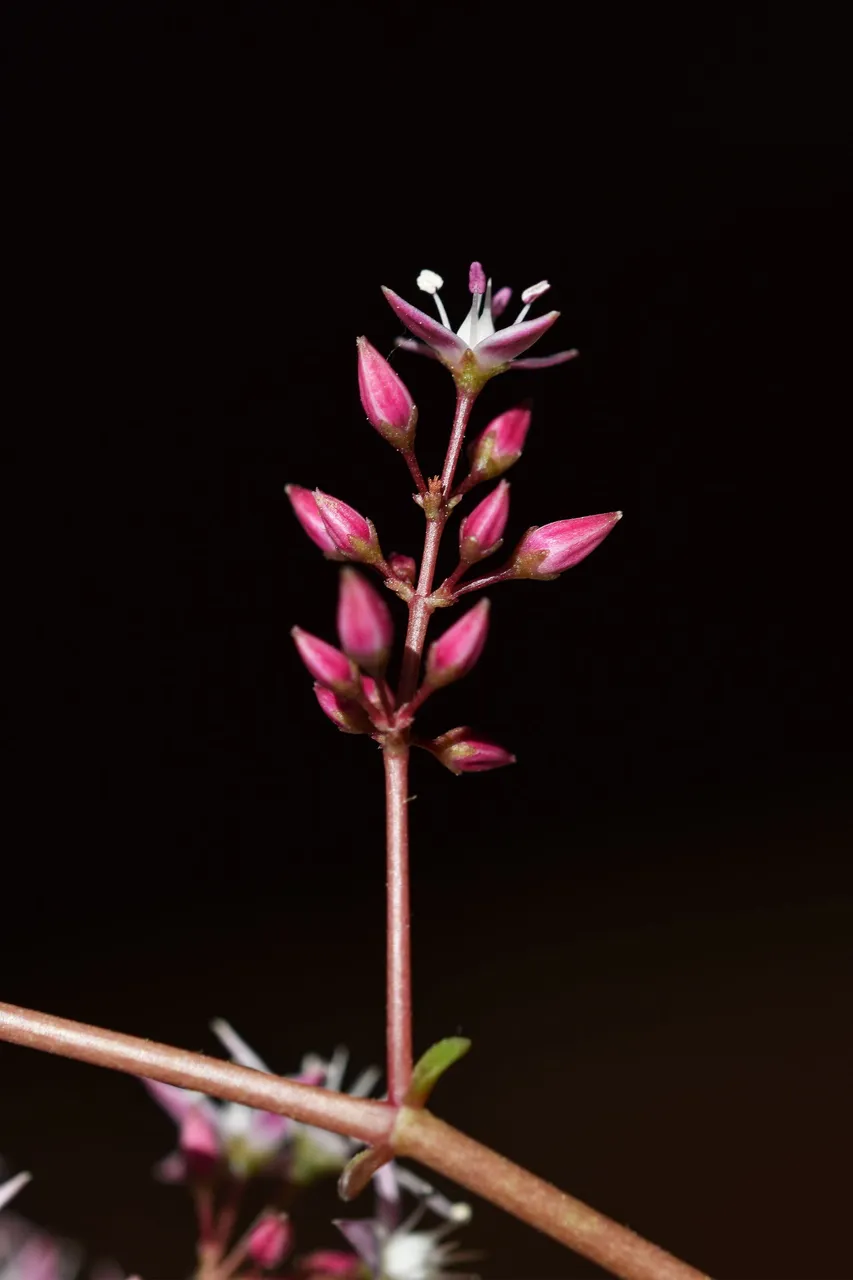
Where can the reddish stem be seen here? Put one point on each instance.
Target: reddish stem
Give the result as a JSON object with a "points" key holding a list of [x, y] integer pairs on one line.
{"points": [[419, 611], [412, 464], [502, 575], [415, 1133], [398, 1025], [616, 1248], [396, 752], [356, 1117]]}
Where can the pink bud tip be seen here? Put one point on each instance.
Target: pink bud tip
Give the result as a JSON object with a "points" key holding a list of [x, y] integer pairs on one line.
{"points": [[455, 653], [476, 278], [464, 751], [500, 302], [481, 532], [385, 398], [308, 514], [365, 627], [553, 548], [198, 1139], [403, 567], [500, 444], [346, 715], [270, 1240], [326, 663], [350, 532]]}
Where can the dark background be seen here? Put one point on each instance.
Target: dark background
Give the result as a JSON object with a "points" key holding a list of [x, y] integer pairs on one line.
{"points": [[644, 925]]}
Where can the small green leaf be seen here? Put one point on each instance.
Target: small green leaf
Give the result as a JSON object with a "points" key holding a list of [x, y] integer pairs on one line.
{"points": [[431, 1067]]}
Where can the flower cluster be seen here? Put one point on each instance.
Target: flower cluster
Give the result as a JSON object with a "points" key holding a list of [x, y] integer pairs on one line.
{"points": [[222, 1148], [351, 681]]}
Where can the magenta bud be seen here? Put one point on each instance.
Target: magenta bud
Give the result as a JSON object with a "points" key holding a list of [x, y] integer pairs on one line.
{"points": [[549, 549], [352, 535], [199, 1144], [482, 531], [385, 398], [270, 1240], [365, 627], [455, 653], [476, 278], [500, 445], [326, 663], [308, 514], [464, 751], [501, 301], [346, 715], [403, 567]]}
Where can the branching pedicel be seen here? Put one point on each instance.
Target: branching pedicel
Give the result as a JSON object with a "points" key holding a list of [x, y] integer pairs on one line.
{"points": [[249, 1134]]}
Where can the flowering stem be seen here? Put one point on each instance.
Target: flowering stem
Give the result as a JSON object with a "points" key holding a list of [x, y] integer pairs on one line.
{"points": [[418, 609], [417, 1134], [398, 1027], [396, 753], [503, 575]]}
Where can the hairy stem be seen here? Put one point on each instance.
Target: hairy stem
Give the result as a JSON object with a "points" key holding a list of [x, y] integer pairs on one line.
{"points": [[398, 1033], [416, 1133]]}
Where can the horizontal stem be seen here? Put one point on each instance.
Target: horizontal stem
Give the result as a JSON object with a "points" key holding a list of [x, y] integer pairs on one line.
{"points": [[616, 1248], [356, 1117], [411, 1133]]}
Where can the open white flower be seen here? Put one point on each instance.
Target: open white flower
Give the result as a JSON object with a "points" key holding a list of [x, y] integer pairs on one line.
{"points": [[402, 1250], [476, 350]]}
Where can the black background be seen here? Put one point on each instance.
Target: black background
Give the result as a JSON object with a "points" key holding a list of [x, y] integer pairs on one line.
{"points": [[645, 924]]}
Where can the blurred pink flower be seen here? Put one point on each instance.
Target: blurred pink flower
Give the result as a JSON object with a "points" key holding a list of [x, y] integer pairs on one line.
{"points": [[253, 1142]]}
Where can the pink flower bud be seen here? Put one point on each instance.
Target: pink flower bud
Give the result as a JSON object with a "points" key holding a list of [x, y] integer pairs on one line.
{"points": [[351, 534], [403, 567], [387, 403], [346, 715], [270, 1240], [481, 532], [552, 548], [308, 514], [500, 445], [326, 663], [199, 1144], [464, 751], [455, 653], [501, 301], [365, 627]]}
